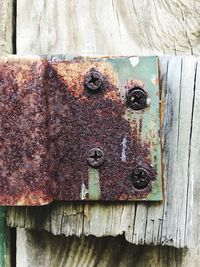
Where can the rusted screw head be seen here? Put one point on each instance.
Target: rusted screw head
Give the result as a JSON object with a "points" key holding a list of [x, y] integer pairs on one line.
{"points": [[140, 178], [93, 80], [137, 98], [95, 157]]}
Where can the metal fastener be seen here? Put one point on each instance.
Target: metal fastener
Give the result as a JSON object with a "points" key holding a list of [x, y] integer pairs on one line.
{"points": [[136, 98], [140, 178], [93, 80], [95, 157]]}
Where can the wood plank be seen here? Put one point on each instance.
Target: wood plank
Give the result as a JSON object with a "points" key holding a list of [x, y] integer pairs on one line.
{"points": [[192, 230], [5, 240], [180, 96], [106, 27], [6, 26], [44, 249]]}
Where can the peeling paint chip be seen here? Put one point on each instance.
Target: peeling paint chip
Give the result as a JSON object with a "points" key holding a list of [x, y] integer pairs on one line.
{"points": [[134, 61], [84, 192]]}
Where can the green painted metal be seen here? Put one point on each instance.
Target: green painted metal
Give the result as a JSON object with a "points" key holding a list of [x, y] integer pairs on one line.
{"points": [[146, 70], [94, 184], [143, 69]]}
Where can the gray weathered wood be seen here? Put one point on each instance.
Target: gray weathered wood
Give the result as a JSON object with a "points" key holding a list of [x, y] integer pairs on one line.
{"points": [[6, 26], [106, 27], [109, 27], [44, 249]]}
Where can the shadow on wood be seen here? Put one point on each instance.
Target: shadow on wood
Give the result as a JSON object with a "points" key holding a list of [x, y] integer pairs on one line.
{"points": [[39, 248]]}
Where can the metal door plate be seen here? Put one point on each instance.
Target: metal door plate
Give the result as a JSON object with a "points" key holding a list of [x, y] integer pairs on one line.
{"points": [[82, 129]]}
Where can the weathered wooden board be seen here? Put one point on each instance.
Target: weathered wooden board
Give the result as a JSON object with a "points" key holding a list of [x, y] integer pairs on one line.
{"points": [[6, 46], [6, 26], [108, 27], [166, 223], [44, 249], [122, 28]]}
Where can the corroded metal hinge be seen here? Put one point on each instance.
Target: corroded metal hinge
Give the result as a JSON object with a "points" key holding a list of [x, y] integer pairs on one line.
{"points": [[83, 129]]}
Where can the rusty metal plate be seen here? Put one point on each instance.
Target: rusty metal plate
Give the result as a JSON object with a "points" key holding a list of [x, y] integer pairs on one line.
{"points": [[83, 129]]}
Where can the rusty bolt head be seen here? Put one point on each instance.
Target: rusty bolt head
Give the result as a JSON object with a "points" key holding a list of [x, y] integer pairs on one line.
{"points": [[93, 80], [136, 98], [95, 157], [140, 178]]}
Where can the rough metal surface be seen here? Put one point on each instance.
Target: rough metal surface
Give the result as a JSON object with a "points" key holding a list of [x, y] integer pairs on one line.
{"points": [[49, 121]]}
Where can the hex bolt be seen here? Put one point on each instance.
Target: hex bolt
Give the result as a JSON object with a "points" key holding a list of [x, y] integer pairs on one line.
{"points": [[95, 157], [137, 98], [140, 178], [93, 80]]}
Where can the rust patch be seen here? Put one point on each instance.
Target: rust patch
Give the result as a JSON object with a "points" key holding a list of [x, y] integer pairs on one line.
{"points": [[24, 174], [48, 123], [131, 84], [93, 120]]}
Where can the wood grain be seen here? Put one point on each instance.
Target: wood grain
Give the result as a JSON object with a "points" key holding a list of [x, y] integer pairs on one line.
{"points": [[109, 27], [115, 27], [6, 26], [44, 249]]}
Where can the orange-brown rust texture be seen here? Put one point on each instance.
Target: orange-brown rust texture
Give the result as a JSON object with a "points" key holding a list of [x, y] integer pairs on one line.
{"points": [[131, 84], [24, 177], [93, 120], [49, 121]]}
